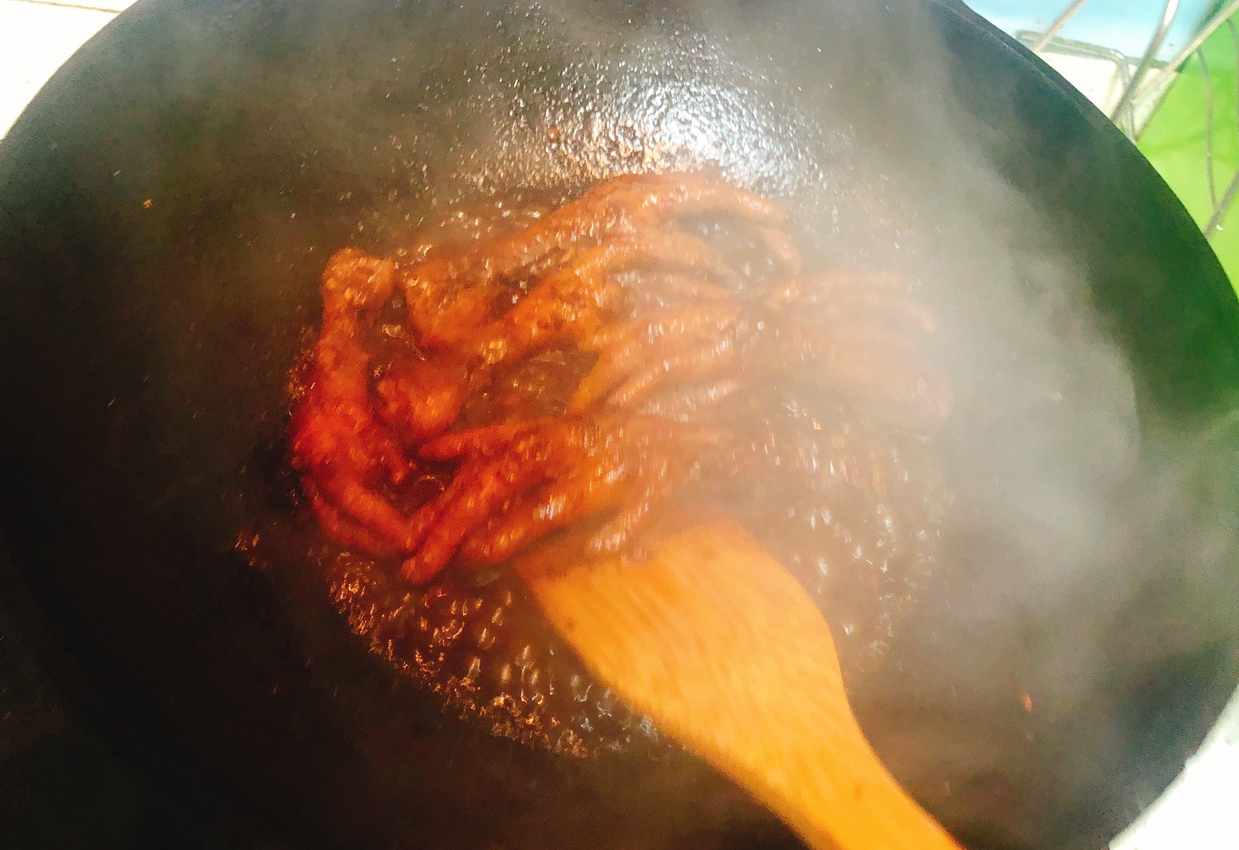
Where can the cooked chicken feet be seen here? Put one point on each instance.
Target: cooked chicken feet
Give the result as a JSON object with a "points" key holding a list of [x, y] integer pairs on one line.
{"points": [[632, 290]]}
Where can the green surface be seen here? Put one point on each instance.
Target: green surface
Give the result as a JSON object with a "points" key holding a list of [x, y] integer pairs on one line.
{"points": [[1176, 140]]}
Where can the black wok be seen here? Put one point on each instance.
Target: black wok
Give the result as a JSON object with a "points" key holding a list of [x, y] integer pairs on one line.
{"points": [[169, 200]]}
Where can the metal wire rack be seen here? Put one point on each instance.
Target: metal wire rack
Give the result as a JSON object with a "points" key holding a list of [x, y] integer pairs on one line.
{"points": [[1138, 83]]}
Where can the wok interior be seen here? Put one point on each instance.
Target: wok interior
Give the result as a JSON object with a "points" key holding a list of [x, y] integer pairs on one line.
{"points": [[150, 345]]}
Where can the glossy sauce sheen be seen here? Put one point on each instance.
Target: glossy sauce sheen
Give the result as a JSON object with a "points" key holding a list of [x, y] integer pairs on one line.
{"points": [[832, 469]]}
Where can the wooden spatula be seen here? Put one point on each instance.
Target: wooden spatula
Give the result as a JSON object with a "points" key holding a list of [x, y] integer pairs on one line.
{"points": [[723, 648]]}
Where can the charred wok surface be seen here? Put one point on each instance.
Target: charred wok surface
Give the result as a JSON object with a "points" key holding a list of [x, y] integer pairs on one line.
{"points": [[584, 370]]}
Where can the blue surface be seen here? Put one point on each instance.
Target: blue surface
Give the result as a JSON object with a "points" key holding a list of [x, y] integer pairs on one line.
{"points": [[1125, 25]]}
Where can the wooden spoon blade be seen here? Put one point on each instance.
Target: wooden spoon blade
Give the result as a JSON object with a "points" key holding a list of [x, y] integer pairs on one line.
{"points": [[722, 647]]}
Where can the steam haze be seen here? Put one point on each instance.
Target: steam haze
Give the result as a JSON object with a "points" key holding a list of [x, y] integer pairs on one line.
{"points": [[1082, 560], [1086, 583], [1087, 565]]}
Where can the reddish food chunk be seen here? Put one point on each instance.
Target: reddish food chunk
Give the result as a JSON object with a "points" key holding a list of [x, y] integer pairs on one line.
{"points": [[590, 365]]}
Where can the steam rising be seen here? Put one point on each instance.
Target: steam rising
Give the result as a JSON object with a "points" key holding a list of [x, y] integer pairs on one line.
{"points": [[1053, 608], [1028, 656], [1065, 525]]}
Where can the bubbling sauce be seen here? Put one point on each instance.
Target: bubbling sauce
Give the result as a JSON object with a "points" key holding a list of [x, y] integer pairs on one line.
{"points": [[651, 349]]}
